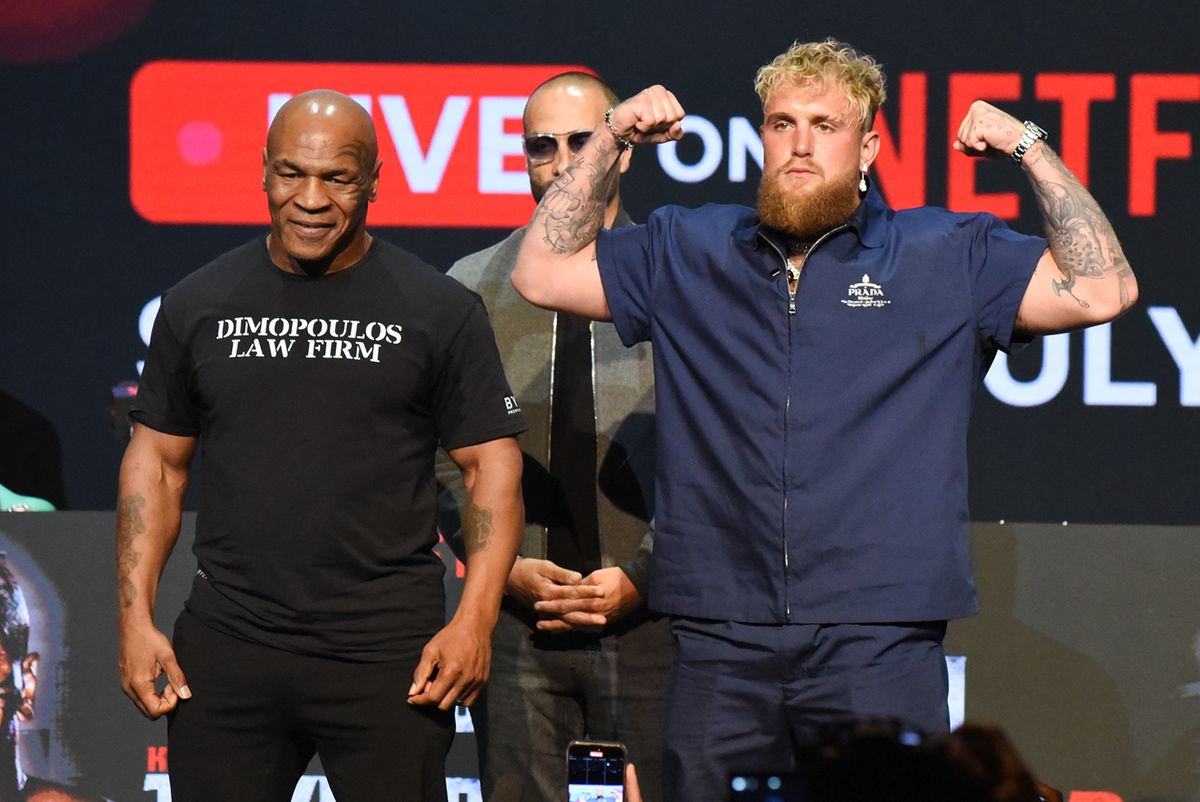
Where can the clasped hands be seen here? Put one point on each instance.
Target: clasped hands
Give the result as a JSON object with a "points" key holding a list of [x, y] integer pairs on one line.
{"points": [[569, 601]]}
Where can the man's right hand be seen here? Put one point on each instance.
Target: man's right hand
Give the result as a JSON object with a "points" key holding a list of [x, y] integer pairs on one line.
{"points": [[649, 117], [145, 655], [532, 581]]}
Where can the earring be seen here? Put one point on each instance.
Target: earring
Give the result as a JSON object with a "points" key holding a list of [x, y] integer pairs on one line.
{"points": [[862, 182]]}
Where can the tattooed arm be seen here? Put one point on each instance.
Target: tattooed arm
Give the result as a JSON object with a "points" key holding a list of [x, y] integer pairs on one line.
{"points": [[455, 662], [1084, 279], [556, 267], [149, 506]]}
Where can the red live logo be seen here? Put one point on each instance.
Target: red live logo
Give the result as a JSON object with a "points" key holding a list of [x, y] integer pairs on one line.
{"points": [[449, 136]]}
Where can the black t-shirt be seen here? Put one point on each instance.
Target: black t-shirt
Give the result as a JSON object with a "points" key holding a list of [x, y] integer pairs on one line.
{"points": [[319, 403]]}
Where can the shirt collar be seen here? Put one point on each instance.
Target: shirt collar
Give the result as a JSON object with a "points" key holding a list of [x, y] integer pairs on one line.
{"points": [[869, 222]]}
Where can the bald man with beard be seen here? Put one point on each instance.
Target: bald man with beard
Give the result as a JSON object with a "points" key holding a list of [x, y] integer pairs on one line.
{"points": [[318, 369]]}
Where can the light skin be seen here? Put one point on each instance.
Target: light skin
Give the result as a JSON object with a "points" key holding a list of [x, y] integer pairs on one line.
{"points": [[1082, 279], [567, 600], [319, 172]]}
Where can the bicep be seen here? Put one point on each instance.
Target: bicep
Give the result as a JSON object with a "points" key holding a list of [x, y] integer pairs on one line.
{"points": [[498, 460], [156, 456], [1050, 304], [561, 282]]}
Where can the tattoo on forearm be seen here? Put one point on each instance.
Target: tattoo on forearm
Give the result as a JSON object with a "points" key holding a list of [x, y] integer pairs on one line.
{"points": [[573, 210], [130, 524], [1081, 239], [477, 528]]}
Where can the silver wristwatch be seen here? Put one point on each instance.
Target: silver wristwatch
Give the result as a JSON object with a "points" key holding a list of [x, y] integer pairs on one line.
{"points": [[1032, 134]]}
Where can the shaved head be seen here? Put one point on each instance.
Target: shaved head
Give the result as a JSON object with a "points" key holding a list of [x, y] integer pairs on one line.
{"points": [[320, 105], [574, 83]]}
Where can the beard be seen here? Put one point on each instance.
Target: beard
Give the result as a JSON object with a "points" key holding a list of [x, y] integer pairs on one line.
{"points": [[810, 213]]}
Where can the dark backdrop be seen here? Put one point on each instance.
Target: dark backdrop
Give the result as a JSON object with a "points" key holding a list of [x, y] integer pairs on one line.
{"points": [[81, 263]]}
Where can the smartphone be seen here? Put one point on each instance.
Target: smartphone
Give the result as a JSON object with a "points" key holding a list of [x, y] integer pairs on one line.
{"points": [[595, 771]]}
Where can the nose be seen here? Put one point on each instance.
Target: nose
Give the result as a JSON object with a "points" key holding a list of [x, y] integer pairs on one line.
{"points": [[311, 196], [802, 141], [562, 157]]}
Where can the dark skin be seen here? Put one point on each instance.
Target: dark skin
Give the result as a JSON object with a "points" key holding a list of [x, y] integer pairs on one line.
{"points": [[320, 171]]}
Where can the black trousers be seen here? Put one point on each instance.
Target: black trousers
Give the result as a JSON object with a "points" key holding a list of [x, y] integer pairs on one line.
{"points": [[257, 716]]}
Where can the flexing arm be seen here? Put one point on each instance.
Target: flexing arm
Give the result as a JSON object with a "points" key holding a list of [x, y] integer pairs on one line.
{"points": [[556, 267], [1084, 278], [154, 475], [455, 662]]}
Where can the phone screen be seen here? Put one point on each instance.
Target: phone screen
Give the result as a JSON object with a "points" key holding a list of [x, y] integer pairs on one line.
{"points": [[595, 772]]}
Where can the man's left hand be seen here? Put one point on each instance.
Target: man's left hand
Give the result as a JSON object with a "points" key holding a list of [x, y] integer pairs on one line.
{"points": [[453, 666], [988, 131], [618, 597]]}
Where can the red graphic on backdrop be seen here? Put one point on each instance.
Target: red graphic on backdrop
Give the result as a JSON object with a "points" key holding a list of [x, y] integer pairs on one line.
{"points": [[63, 29], [449, 137]]}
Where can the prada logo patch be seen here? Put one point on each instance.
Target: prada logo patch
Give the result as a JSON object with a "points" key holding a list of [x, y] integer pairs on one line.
{"points": [[865, 293]]}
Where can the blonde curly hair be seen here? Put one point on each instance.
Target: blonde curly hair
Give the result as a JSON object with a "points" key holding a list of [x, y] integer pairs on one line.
{"points": [[813, 63]]}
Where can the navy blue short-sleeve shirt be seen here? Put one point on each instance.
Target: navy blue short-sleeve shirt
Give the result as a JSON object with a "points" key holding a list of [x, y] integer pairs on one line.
{"points": [[812, 464]]}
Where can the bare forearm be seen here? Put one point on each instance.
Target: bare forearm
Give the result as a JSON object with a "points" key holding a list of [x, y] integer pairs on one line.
{"points": [[148, 515], [1094, 271], [572, 212], [492, 522]]}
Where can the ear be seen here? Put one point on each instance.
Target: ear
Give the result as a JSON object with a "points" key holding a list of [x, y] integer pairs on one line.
{"points": [[625, 159], [264, 184], [373, 186], [870, 149]]}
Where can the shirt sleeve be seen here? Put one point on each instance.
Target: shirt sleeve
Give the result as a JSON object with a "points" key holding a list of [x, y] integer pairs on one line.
{"points": [[1001, 265], [164, 401], [472, 400], [626, 257]]}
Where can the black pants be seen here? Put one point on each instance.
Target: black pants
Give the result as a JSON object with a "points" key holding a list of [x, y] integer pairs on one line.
{"points": [[257, 715]]}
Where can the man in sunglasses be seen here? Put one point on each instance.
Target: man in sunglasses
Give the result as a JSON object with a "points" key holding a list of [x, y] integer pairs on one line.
{"points": [[576, 654]]}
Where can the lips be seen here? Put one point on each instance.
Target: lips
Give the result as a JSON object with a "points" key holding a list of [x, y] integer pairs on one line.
{"points": [[309, 228]]}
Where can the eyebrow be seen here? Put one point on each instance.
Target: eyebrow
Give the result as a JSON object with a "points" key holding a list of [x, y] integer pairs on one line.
{"points": [[287, 164]]}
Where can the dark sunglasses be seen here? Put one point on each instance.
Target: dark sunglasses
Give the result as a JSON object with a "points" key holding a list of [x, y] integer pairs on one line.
{"points": [[541, 148]]}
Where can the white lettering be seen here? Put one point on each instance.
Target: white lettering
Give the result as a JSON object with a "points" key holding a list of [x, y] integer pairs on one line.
{"points": [[495, 144], [365, 351], [280, 348], [160, 784], [309, 783], [318, 327], [376, 331], [224, 328], [424, 171], [393, 333], [1184, 350], [743, 139], [1056, 364], [1098, 387], [710, 159]]}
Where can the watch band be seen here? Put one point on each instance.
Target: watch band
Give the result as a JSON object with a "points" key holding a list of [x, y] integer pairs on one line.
{"points": [[1031, 134]]}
